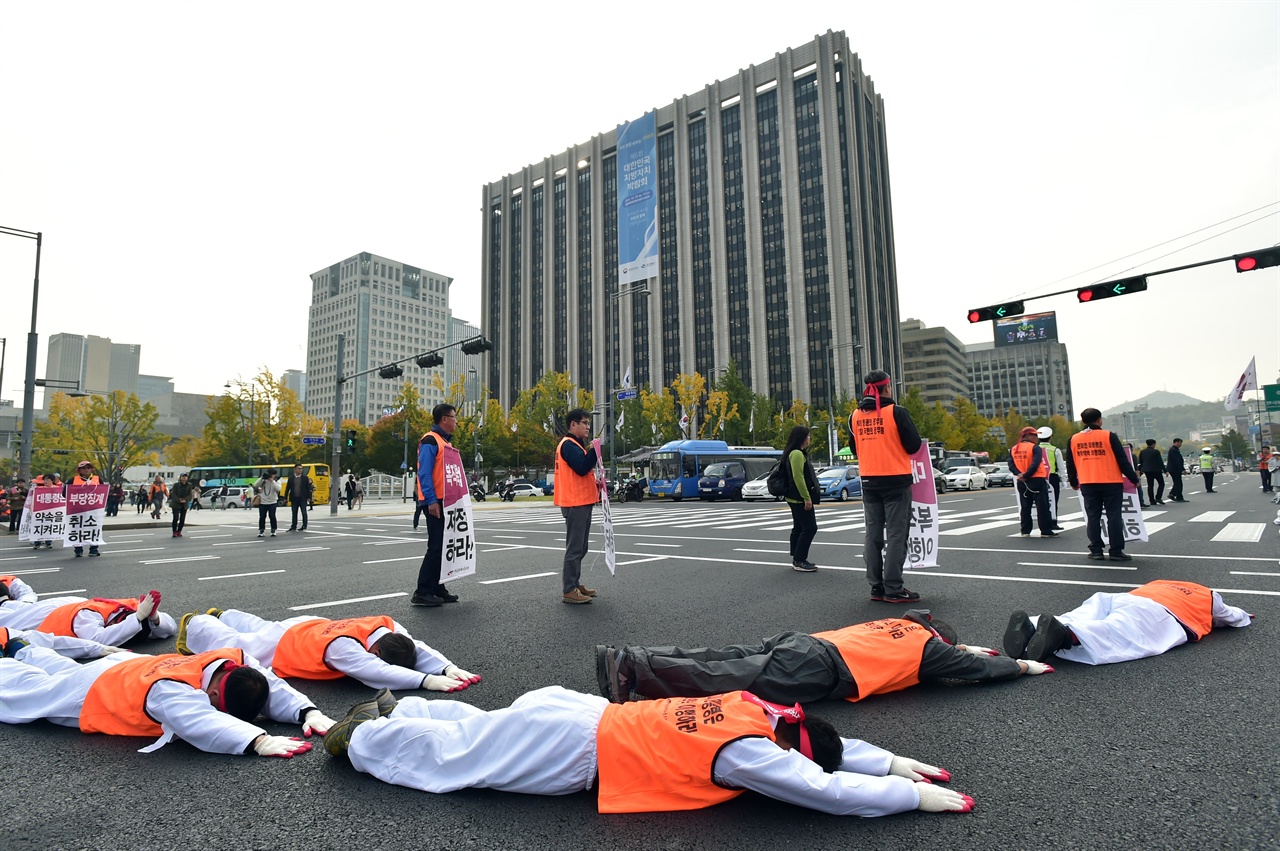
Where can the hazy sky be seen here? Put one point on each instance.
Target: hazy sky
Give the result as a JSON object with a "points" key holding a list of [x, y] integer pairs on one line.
{"points": [[192, 163]]}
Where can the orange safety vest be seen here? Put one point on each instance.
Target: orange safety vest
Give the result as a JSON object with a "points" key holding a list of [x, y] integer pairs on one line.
{"points": [[570, 488], [4, 632], [880, 451], [92, 480], [60, 620], [1262, 461], [300, 652], [160, 488], [6, 578], [437, 473], [882, 655], [1024, 454], [1095, 463], [658, 755], [116, 703], [1190, 603]]}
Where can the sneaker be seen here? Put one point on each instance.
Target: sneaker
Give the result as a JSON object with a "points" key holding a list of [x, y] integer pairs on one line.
{"points": [[273, 534], [174, 535], [1026, 534], [602, 669], [586, 592], [575, 596], [338, 739], [903, 596], [1049, 534], [1097, 557], [425, 600], [1050, 636], [217, 613], [386, 702], [1121, 556], [804, 566], [178, 534], [1017, 634], [877, 593], [291, 529], [13, 646], [613, 685], [183, 623], [259, 534], [444, 595], [93, 552]]}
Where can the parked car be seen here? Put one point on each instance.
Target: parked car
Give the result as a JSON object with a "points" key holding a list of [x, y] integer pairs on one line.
{"points": [[840, 482], [525, 489], [939, 480], [997, 476], [236, 497], [758, 488], [544, 486], [967, 478], [726, 479]]}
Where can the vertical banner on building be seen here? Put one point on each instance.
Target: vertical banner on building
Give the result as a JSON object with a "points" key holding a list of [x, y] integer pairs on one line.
{"points": [[459, 556], [922, 539], [637, 163], [44, 515], [606, 513], [1135, 527], [86, 510]]}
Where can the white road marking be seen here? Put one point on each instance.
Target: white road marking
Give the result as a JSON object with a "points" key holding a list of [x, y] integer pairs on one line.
{"points": [[1046, 581], [37, 570], [1075, 566], [1145, 555], [109, 543], [1248, 573], [770, 552], [299, 550], [517, 578], [237, 575], [138, 550], [1211, 517], [640, 560], [352, 600], [385, 560], [193, 537], [17, 558], [173, 560], [645, 544], [236, 543], [521, 537], [1241, 533], [61, 593]]}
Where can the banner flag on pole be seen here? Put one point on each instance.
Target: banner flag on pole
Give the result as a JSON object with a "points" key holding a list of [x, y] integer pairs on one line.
{"points": [[1248, 381], [752, 427], [626, 379], [621, 416], [514, 427], [684, 420]]}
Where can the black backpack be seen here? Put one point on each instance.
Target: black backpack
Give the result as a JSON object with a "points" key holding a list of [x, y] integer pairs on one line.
{"points": [[777, 481]]}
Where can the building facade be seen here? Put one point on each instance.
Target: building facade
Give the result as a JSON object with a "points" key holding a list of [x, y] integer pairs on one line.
{"points": [[1033, 378], [296, 380], [94, 364], [459, 365], [775, 235], [933, 361], [388, 310], [123, 374]]}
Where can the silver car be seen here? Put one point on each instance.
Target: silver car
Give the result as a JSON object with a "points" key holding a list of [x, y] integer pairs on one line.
{"points": [[758, 488]]}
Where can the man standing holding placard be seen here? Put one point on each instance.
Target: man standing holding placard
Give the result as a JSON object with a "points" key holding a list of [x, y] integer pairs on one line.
{"points": [[431, 492], [576, 494]]}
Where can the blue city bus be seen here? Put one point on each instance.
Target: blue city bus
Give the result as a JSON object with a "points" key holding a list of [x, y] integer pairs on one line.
{"points": [[676, 467]]}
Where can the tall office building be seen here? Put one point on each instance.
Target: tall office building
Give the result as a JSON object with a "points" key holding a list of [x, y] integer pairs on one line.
{"points": [[94, 364], [64, 361], [388, 310], [773, 226], [457, 364], [124, 367], [1024, 367], [296, 380], [933, 360]]}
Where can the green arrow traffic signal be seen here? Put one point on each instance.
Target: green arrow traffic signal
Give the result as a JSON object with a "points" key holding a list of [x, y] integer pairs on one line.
{"points": [[1111, 289]]}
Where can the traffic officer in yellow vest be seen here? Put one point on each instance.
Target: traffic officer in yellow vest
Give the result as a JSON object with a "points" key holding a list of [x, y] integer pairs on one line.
{"points": [[208, 701], [1057, 467], [648, 756], [431, 450], [1030, 468], [576, 492], [883, 439], [1097, 467], [852, 663], [1107, 628], [86, 476], [1206, 468]]}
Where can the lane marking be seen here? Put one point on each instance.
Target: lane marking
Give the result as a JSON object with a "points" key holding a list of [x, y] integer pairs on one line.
{"points": [[1211, 517], [173, 560], [299, 550], [1144, 556], [236, 543], [344, 602], [108, 543], [1249, 573], [640, 560], [385, 560], [17, 558], [194, 537], [521, 537], [770, 552], [1241, 533], [138, 550], [60, 593], [652, 544], [518, 578], [237, 575], [390, 543], [37, 570], [1046, 581], [1075, 566]]}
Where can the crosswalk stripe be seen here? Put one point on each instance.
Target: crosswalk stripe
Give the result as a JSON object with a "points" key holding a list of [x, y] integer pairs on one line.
{"points": [[1242, 533], [1211, 517]]}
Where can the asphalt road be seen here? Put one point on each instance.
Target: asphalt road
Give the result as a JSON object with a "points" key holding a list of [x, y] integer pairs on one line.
{"points": [[1178, 751]]}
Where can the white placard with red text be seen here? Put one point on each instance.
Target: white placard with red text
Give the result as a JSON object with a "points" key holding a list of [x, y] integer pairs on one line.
{"points": [[922, 539], [459, 556], [86, 511], [44, 515]]}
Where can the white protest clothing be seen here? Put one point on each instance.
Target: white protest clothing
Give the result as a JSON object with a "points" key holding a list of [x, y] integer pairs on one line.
{"points": [[259, 638], [39, 684], [31, 615], [545, 744], [20, 592], [63, 645], [1123, 627], [90, 625]]}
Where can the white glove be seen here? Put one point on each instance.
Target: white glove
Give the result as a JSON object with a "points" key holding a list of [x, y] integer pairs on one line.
{"points": [[148, 604], [317, 722], [282, 746], [459, 674], [1034, 668], [437, 682], [936, 799], [901, 766], [107, 650], [980, 651]]}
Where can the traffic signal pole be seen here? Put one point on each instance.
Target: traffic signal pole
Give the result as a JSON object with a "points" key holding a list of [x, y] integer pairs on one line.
{"points": [[335, 465]]}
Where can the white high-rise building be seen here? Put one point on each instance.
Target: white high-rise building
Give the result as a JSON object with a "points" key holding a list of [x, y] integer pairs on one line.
{"points": [[296, 380]]}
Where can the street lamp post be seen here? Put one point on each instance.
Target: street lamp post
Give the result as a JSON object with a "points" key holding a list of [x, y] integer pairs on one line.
{"points": [[633, 288], [29, 387], [475, 424]]}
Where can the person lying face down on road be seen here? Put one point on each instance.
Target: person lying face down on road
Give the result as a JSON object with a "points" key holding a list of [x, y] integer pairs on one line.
{"points": [[111, 621], [209, 700], [377, 651], [647, 756], [13, 640], [14, 590], [1147, 621], [852, 663]]}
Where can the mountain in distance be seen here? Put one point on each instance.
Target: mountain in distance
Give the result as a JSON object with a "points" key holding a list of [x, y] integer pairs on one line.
{"points": [[1157, 399]]}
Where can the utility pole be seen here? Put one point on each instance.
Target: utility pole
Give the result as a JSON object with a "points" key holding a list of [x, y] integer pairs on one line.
{"points": [[335, 465]]}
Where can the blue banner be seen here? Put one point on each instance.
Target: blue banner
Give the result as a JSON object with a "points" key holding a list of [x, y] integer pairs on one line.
{"points": [[637, 162]]}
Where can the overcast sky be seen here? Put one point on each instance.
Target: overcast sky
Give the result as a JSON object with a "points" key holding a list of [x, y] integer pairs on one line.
{"points": [[190, 164]]}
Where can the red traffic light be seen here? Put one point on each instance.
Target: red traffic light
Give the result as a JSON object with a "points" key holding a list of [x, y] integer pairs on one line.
{"points": [[1084, 295], [1263, 258], [1111, 289], [996, 311], [1246, 264], [975, 316]]}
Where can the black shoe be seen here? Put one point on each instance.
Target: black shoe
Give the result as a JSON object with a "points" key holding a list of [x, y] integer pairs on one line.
{"points": [[443, 594], [903, 596], [1049, 534], [1026, 534], [1050, 636], [1121, 556], [602, 670], [1017, 634], [93, 551], [877, 593], [79, 554], [292, 529], [1058, 529], [1097, 557], [615, 685], [804, 566], [425, 600]]}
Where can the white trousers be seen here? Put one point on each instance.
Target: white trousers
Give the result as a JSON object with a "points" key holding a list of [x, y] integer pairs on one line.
{"points": [[1120, 628], [543, 744], [239, 630], [39, 683]]}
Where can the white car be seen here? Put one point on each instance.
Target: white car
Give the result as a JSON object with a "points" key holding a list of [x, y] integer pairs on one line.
{"points": [[527, 490], [966, 478], [758, 489]]}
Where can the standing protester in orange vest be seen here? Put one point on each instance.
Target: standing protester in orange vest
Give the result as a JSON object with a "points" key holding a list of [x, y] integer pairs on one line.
{"points": [[649, 756], [430, 592], [883, 439], [1097, 467], [86, 476], [208, 701], [377, 651], [1030, 466], [852, 663], [1264, 468], [157, 495], [1107, 628], [576, 493]]}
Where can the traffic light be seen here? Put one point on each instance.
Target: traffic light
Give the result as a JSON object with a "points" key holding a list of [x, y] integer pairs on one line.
{"points": [[476, 345], [1111, 289], [995, 311], [430, 359], [393, 371], [1260, 259], [351, 441]]}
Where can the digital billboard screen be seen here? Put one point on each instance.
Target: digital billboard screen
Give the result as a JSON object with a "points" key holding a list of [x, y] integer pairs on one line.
{"points": [[1030, 328]]}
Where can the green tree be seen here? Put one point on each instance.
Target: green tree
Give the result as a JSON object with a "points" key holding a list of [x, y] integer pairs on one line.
{"points": [[1233, 445], [393, 440], [185, 451], [933, 422], [261, 412], [111, 430], [688, 390], [660, 412]]}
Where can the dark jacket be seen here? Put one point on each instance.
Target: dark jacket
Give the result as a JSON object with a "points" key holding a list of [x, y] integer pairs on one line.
{"points": [[580, 459], [811, 487], [180, 494], [298, 490], [907, 436], [1176, 464], [1149, 460]]}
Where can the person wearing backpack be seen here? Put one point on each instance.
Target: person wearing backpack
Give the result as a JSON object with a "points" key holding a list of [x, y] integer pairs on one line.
{"points": [[802, 495]]}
